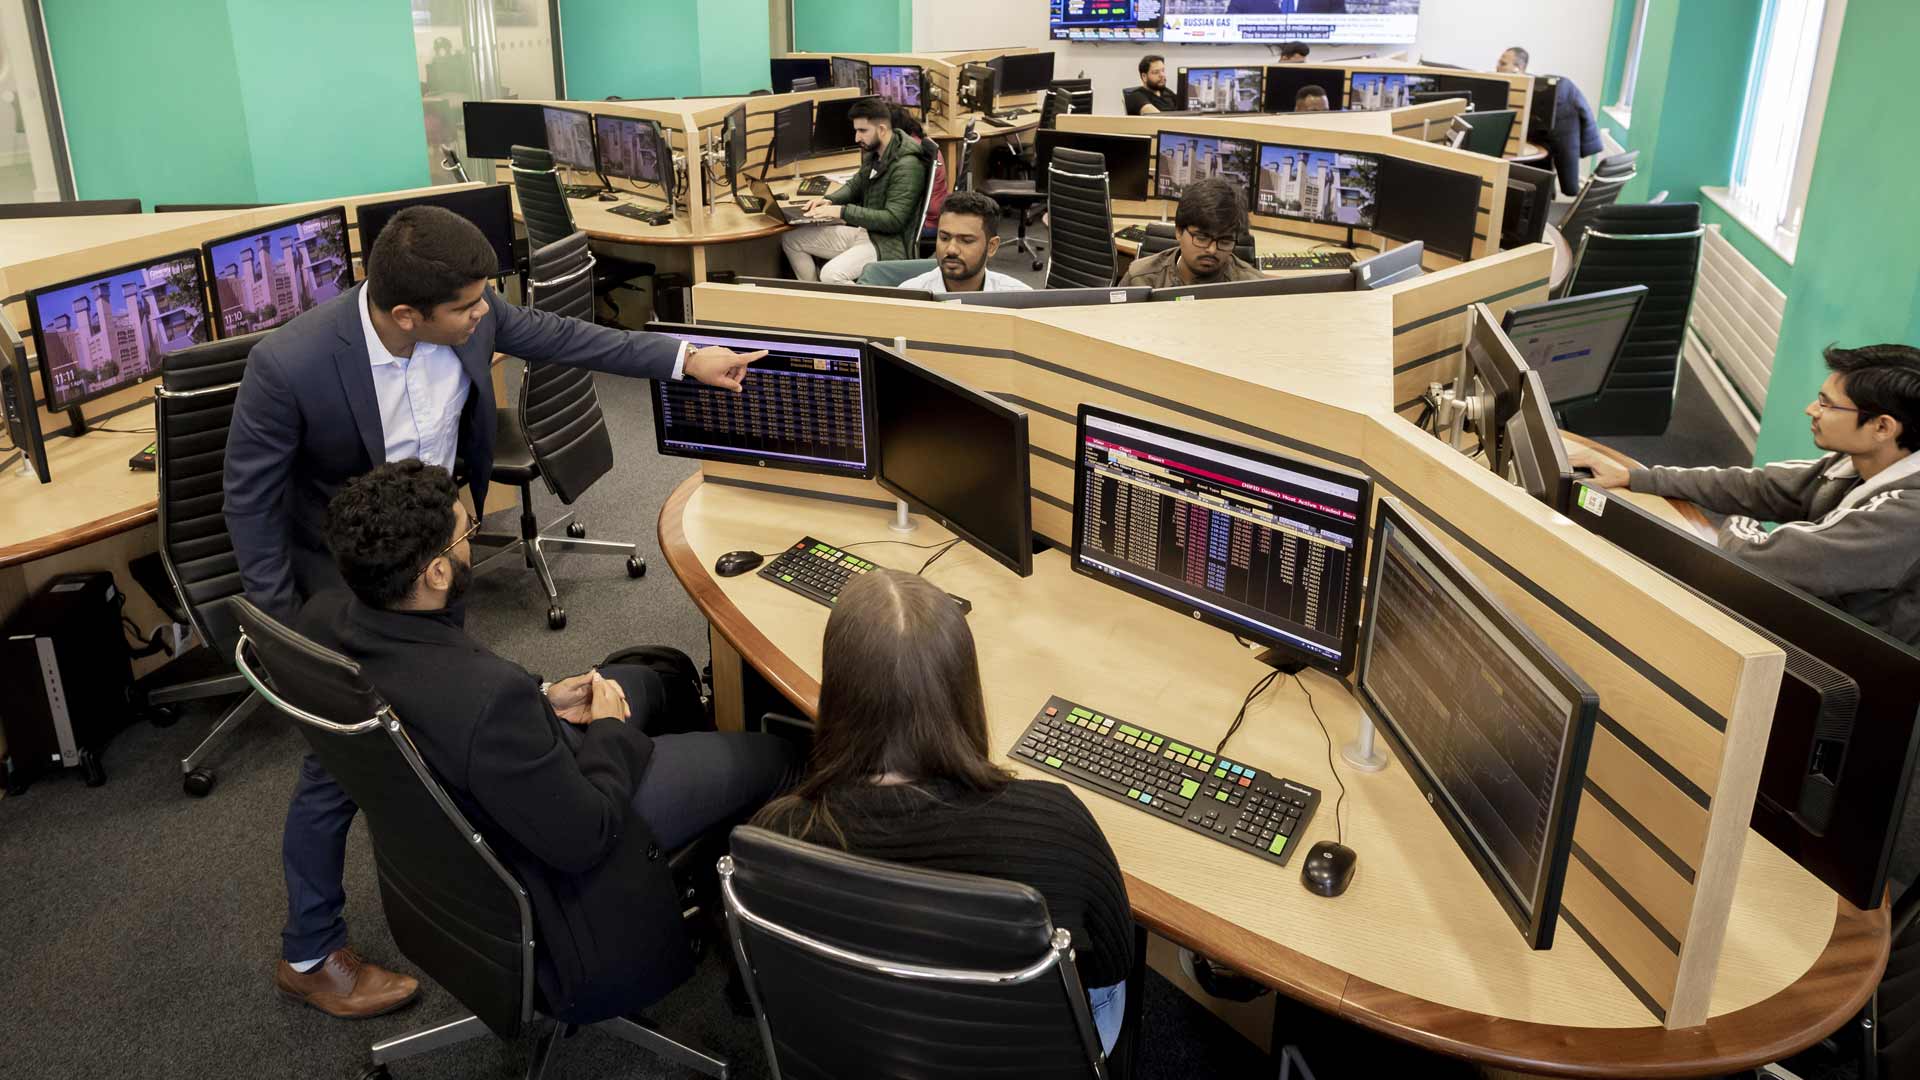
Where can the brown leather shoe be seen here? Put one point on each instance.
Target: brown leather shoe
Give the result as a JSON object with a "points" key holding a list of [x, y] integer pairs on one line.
{"points": [[347, 986]]}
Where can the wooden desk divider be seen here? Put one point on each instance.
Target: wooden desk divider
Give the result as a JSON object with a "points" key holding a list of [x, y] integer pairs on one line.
{"points": [[1430, 314], [1519, 95], [1686, 693]]}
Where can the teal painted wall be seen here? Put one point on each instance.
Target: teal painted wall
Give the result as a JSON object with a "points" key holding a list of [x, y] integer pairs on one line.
{"points": [[1703, 95], [237, 100], [853, 26], [680, 48], [735, 42]]}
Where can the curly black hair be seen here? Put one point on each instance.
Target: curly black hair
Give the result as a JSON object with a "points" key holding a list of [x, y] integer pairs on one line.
{"points": [[384, 527]]}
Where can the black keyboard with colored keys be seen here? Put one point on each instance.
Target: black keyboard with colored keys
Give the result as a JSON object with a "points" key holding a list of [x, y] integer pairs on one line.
{"points": [[813, 186], [1132, 233], [1308, 260], [1245, 808], [814, 569]]}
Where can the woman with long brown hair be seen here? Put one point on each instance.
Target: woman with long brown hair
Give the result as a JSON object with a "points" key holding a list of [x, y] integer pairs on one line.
{"points": [[901, 770]]}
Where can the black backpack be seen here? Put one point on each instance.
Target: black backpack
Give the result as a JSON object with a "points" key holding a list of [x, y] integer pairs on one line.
{"points": [[689, 705]]}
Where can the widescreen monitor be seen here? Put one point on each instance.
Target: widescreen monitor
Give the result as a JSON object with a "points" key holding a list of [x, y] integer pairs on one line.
{"points": [[1492, 371], [1529, 198], [1424, 202], [494, 128], [636, 150], [1540, 118], [1490, 724], [807, 405], [18, 402], [1285, 81], [1025, 73], [1383, 90], [833, 128], [1020, 299], [109, 330], [1328, 187], [1536, 453], [792, 134], [1129, 158], [881, 292], [1487, 95], [1259, 544], [1225, 90], [1294, 284], [904, 85], [1184, 159], [1389, 267], [570, 138], [856, 74], [734, 134], [1104, 20], [785, 69], [265, 276], [1488, 136], [973, 87], [489, 207], [957, 454], [1574, 342]]}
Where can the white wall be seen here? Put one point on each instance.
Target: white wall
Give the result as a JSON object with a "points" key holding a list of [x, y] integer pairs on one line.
{"points": [[1566, 37]]}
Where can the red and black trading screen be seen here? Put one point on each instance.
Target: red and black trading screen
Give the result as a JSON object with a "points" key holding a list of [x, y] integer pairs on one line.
{"points": [[801, 406]]}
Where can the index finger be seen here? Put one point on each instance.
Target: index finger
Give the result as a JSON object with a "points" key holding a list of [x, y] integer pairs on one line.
{"points": [[749, 357]]}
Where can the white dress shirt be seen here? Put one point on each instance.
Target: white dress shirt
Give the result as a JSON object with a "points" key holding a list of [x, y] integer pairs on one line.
{"points": [[421, 397], [934, 281]]}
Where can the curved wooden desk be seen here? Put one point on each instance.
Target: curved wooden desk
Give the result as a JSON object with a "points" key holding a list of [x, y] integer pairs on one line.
{"points": [[1795, 966]]}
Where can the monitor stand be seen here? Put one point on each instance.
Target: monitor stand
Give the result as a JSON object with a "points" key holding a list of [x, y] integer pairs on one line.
{"points": [[79, 421], [902, 522], [1364, 752], [1280, 662]]}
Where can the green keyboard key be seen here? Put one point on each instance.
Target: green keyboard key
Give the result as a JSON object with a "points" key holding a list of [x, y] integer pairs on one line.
{"points": [[1184, 751], [1219, 772], [1188, 787], [1078, 711], [1220, 795], [1133, 793], [1278, 846], [1129, 729], [1056, 763]]}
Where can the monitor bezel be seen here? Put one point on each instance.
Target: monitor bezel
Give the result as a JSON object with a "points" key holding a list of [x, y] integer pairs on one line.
{"points": [[466, 128], [1259, 155], [837, 103], [1540, 914], [868, 418], [1050, 138], [882, 292], [773, 139], [1601, 298], [1350, 632], [866, 79], [1260, 287], [32, 298], [664, 155], [208, 273], [435, 198], [1535, 415], [1505, 389], [1027, 299], [820, 68], [593, 136], [1024, 58], [26, 434], [1186, 100], [733, 136], [1278, 73], [1160, 135], [922, 106], [1417, 169], [1021, 561]]}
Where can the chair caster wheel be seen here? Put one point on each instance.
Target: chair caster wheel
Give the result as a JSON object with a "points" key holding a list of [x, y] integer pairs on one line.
{"points": [[636, 566], [92, 768], [556, 618], [1038, 264], [198, 783], [162, 716], [577, 530]]}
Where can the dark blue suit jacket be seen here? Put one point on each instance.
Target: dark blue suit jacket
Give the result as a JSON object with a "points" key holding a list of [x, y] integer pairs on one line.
{"points": [[307, 420]]}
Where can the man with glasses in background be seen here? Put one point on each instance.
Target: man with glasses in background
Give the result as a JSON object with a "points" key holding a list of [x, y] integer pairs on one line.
{"points": [[1211, 218], [1849, 522]]}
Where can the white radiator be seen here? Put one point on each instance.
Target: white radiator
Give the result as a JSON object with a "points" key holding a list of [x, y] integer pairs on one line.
{"points": [[1732, 334]]}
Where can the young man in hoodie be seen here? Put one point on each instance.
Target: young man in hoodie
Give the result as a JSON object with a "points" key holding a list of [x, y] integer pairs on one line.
{"points": [[878, 209], [1849, 529]]}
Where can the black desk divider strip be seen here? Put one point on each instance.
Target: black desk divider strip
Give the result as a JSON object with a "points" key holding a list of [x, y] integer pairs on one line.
{"points": [[1667, 855], [1631, 983], [1646, 917], [1427, 359], [1674, 776]]}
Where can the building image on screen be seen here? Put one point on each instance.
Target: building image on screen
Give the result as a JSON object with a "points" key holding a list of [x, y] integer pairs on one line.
{"points": [[1268, 549], [1104, 20], [803, 406], [1317, 185], [266, 277], [1379, 90], [102, 333], [1334, 22], [1186, 159], [629, 148], [898, 85], [570, 138], [1234, 90]]}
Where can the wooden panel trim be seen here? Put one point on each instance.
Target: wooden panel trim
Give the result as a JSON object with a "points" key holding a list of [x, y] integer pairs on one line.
{"points": [[113, 524]]}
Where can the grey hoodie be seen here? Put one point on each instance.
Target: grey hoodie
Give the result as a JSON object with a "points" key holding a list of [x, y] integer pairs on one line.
{"points": [[1855, 545]]}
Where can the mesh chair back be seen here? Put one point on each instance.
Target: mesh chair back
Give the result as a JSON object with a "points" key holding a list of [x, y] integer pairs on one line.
{"points": [[454, 910], [543, 206], [790, 903], [1616, 164], [1599, 192], [1052, 104], [70, 208], [1640, 244], [558, 409], [1162, 235], [1080, 211], [193, 411]]}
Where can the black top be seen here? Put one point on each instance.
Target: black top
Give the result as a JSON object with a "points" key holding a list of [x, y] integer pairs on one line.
{"points": [[1163, 99], [1033, 832]]}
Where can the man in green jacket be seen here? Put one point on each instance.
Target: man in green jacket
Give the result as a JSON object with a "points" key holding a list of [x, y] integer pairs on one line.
{"points": [[876, 214]]}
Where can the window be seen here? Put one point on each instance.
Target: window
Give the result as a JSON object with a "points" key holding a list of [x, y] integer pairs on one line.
{"points": [[33, 155], [1632, 73], [1780, 125]]}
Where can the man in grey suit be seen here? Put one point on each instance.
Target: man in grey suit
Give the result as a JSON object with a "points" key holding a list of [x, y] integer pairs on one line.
{"points": [[397, 368]]}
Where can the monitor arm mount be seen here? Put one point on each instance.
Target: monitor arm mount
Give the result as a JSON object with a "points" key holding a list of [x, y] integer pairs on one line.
{"points": [[1455, 405]]}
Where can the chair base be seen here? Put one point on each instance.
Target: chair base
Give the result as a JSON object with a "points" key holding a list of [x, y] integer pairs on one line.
{"points": [[196, 779], [533, 543], [453, 1032]]}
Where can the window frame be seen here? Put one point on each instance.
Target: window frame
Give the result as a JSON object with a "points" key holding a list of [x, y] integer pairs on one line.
{"points": [[1630, 74], [1780, 227]]}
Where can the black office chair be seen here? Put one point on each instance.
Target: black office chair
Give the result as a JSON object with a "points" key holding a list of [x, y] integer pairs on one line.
{"points": [[1611, 167], [70, 208], [1080, 221], [858, 967], [1022, 194], [1598, 193], [555, 431], [920, 238], [1162, 235], [192, 412], [1639, 244], [805, 82], [969, 137], [454, 908], [548, 219]]}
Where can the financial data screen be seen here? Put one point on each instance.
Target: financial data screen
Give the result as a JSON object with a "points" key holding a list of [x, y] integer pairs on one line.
{"points": [[803, 406]]}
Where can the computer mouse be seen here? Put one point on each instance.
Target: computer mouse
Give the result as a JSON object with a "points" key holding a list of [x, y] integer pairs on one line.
{"points": [[607, 196], [735, 563], [1328, 869]]}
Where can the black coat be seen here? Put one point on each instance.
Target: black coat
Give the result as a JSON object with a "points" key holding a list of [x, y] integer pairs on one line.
{"points": [[554, 800]]}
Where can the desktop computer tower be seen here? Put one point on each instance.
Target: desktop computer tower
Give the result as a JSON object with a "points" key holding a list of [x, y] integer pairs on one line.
{"points": [[65, 670]]}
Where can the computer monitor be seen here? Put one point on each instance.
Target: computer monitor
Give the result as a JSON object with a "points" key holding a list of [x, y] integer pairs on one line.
{"points": [[1529, 198], [1536, 454], [1492, 371], [18, 403], [634, 149], [1488, 136], [1129, 158], [734, 137], [833, 128], [808, 405], [852, 73], [489, 207], [1490, 724], [1389, 267], [877, 291], [1259, 544], [1224, 89], [109, 330], [904, 85], [957, 454], [1184, 159], [494, 128], [1020, 299], [785, 69], [1296, 284], [792, 134], [1383, 90], [1573, 343], [1025, 73], [1546, 89], [1329, 187], [1285, 81], [266, 275], [570, 138], [1428, 203], [974, 88], [1487, 95], [1136, 21]]}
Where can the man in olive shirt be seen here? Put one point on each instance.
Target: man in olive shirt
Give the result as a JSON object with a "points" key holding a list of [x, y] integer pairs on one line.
{"points": [[1211, 218]]}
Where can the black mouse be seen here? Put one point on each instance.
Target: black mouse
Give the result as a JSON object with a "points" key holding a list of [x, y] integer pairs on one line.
{"points": [[735, 563], [607, 196], [1328, 869]]}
